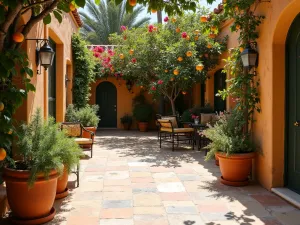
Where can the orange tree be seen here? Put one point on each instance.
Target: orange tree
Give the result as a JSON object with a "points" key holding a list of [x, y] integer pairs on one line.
{"points": [[169, 59]]}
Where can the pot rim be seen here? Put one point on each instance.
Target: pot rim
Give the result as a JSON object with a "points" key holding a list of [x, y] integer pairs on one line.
{"points": [[90, 128], [248, 155]]}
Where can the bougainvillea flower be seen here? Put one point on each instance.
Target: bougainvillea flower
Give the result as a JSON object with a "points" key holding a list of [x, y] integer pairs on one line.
{"points": [[150, 28], [123, 28], [99, 49], [160, 82], [110, 52], [133, 60], [153, 88], [166, 19], [97, 54], [183, 34]]}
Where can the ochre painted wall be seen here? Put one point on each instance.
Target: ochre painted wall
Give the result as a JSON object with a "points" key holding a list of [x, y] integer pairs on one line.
{"points": [[61, 34], [269, 129], [124, 99]]}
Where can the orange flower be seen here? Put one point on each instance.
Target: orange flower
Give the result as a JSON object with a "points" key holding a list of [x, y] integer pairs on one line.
{"points": [[176, 72], [199, 67], [121, 56], [177, 29], [179, 58], [203, 19], [189, 53]]}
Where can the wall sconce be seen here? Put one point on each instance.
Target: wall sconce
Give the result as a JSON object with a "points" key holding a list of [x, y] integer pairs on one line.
{"points": [[44, 54], [249, 56], [129, 85]]}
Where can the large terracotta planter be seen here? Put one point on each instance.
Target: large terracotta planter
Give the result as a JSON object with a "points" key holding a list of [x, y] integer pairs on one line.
{"points": [[143, 126], [62, 182], [236, 168], [217, 160], [127, 126], [30, 205], [86, 134]]}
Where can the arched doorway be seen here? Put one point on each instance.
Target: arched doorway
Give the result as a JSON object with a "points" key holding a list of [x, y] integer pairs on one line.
{"points": [[219, 85], [292, 159], [106, 98]]}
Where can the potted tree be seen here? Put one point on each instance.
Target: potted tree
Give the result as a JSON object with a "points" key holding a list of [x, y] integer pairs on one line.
{"points": [[186, 117], [126, 120], [69, 153], [31, 182], [143, 113], [232, 147]]}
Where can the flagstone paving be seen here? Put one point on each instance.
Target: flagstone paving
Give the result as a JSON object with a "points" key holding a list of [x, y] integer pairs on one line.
{"points": [[130, 181]]}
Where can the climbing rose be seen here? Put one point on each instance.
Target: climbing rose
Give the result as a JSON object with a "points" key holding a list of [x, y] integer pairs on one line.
{"points": [[166, 19], [133, 60], [150, 28], [123, 28], [153, 88], [160, 81], [183, 34]]}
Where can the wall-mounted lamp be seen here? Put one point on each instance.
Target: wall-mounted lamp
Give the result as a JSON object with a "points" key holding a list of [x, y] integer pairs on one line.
{"points": [[249, 56], [129, 85], [44, 54]]}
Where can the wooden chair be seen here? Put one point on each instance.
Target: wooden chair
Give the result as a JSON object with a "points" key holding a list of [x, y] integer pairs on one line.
{"points": [[75, 131], [167, 127]]}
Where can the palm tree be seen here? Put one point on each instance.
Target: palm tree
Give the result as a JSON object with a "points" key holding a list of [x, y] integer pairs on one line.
{"points": [[106, 18]]}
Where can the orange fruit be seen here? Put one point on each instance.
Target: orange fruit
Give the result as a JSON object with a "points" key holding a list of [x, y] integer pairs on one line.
{"points": [[131, 51], [153, 10], [1, 106], [199, 67], [176, 72], [10, 132], [2, 154], [179, 59], [209, 46], [174, 20], [121, 56], [166, 71], [196, 38], [189, 53], [203, 19], [177, 29], [212, 35], [213, 28], [241, 49], [141, 86], [132, 2], [183, 92], [18, 37], [72, 7]]}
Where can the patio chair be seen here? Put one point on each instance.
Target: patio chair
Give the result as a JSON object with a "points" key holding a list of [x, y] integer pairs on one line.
{"points": [[166, 126], [75, 130]]}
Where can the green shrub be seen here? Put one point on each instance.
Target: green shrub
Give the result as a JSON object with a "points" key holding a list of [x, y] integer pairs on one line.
{"points": [[71, 114], [143, 112], [87, 116], [126, 119], [187, 116], [39, 147], [227, 136]]}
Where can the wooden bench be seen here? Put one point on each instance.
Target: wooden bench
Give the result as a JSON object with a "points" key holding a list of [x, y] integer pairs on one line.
{"points": [[181, 134], [75, 131]]}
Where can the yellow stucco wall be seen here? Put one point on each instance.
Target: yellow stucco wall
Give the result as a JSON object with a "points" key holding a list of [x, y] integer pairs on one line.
{"points": [[61, 34], [124, 99], [269, 130]]}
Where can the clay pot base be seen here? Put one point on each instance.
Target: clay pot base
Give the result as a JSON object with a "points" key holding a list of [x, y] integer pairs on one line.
{"points": [[37, 221], [62, 194], [234, 183], [217, 162]]}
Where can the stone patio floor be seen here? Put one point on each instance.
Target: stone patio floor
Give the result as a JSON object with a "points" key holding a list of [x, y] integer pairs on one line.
{"points": [[131, 181]]}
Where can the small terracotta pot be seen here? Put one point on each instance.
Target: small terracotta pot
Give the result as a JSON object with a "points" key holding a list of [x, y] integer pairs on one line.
{"points": [[62, 182], [143, 126], [86, 134], [127, 126], [185, 125], [30, 205], [236, 168]]}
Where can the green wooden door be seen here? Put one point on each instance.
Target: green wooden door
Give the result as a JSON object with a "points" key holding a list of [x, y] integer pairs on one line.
{"points": [[220, 84], [106, 98], [293, 107], [52, 84]]}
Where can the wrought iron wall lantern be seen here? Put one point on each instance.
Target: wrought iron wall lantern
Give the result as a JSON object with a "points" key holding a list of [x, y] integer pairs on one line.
{"points": [[250, 56], [44, 53], [129, 85]]}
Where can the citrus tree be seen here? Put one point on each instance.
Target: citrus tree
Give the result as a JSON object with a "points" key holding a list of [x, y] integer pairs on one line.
{"points": [[168, 59]]}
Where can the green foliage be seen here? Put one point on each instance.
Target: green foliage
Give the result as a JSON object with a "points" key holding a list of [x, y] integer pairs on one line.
{"points": [[187, 116], [84, 64], [99, 21], [39, 146], [87, 116], [142, 112], [126, 119], [227, 136], [197, 110]]}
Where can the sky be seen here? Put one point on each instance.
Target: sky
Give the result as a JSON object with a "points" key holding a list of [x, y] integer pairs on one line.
{"points": [[202, 3]]}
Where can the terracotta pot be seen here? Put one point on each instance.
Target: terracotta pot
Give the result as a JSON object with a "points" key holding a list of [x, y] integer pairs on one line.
{"points": [[143, 126], [30, 205], [236, 168], [217, 160], [86, 134], [185, 125], [62, 182], [127, 126]]}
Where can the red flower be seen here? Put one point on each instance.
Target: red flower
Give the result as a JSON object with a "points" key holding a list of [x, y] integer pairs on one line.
{"points": [[97, 54], [99, 49], [110, 52], [124, 37], [160, 82], [153, 88], [150, 28], [183, 34], [166, 19], [133, 60], [123, 28]]}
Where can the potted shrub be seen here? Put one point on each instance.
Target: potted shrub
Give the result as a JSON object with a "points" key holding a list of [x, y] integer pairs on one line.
{"points": [[126, 120], [233, 148], [186, 117], [69, 153], [31, 182], [143, 113]]}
